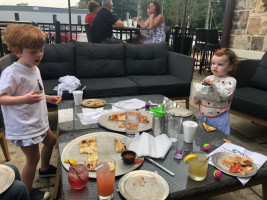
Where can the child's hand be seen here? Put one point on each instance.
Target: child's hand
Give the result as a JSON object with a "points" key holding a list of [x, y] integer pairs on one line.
{"points": [[208, 81], [32, 97], [197, 101], [53, 99]]}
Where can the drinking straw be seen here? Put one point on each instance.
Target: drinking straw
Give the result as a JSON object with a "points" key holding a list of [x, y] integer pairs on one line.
{"points": [[83, 88], [76, 172]]}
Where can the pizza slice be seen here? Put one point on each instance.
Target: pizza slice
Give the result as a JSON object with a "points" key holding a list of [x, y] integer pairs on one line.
{"points": [[143, 119], [208, 127], [118, 117], [89, 146], [119, 146]]}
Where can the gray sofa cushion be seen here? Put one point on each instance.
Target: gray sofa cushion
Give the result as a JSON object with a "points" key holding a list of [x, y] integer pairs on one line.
{"points": [[263, 62], [149, 59], [58, 61], [251, 101], [108, 87], [259, 79], [164, 84], [99, 60]]}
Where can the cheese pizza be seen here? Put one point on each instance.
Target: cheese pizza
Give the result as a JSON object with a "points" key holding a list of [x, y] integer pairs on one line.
{"points": [[89, 146], [121, 117]]}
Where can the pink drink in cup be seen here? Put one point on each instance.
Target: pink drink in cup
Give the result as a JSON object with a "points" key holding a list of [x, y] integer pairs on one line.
{"points": [[105, 178], [78, 176]]}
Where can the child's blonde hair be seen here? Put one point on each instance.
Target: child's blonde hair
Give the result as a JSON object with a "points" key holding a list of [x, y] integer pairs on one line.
{"points": [[19, 36], [231, 56]]}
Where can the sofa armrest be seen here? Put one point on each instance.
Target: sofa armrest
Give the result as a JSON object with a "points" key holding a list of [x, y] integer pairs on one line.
{"points": [[181, 66], [6, 61], [245, 72]]}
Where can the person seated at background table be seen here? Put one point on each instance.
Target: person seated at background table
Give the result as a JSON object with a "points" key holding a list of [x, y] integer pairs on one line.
{"points": [[93, 10], [102, 25], [155, 23]]}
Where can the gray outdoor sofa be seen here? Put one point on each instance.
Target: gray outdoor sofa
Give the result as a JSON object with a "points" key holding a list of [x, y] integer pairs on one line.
{"points": [[116, 69], [250, 98]]}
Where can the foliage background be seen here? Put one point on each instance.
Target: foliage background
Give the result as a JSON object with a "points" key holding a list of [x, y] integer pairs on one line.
{"points": [[173, 11]]}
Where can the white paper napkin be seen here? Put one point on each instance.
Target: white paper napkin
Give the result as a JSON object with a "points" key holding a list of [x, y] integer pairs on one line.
{"points": [[148, 145], [257, 158], [131, 104]]}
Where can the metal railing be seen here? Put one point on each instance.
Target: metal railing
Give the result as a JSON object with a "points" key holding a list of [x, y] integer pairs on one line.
{"points": [[57, 33]]}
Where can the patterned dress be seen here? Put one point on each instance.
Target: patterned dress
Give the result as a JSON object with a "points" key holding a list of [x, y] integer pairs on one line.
{"points": [[157, 34]]}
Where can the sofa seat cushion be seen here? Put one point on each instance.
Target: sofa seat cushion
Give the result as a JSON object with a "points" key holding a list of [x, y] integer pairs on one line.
{"points": [[146, 59], [99, 60], [108, 87], [167, 85], [251, 101], [58, 61]]}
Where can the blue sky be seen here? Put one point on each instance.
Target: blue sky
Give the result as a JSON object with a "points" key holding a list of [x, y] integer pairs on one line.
{"points": [[46, 3]]}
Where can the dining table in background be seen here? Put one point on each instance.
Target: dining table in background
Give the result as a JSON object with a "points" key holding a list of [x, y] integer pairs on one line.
{"points": [[180, 185], [120, 31]]}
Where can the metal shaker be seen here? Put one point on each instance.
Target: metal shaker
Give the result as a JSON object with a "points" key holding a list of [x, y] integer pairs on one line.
{"points": [[158, 121]]}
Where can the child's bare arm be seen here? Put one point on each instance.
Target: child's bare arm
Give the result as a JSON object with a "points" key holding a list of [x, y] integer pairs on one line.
{"points": [[29, 98], [53, 99], [197, 101]]}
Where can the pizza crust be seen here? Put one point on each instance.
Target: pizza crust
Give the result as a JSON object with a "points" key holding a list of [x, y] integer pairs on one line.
{"points": [[119, 146]]}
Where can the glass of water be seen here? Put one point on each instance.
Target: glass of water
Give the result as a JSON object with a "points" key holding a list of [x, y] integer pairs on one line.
{"points": [[174, 124]]}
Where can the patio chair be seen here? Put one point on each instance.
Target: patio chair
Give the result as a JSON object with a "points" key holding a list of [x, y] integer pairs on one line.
{"points": [[88, 30], [199, 48], [3, 139]]}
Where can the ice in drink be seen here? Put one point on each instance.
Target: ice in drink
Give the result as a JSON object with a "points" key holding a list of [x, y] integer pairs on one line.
{"points": [[105, 178], [198, 167], [79, 177]]}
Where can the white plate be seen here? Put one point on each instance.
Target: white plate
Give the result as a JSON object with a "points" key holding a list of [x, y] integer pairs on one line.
{"points": [[114, 125], [88, 106], [131, 105], [7, 177], [179, 112], [105, 147], [217, 159], [143, 185]]}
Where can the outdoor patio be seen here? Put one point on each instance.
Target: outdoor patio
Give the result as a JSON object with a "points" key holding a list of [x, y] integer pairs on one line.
{"points": [[253, 136]]}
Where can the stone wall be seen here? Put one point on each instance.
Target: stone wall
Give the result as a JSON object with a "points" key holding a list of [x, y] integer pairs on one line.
{"points": [[249, 29]]}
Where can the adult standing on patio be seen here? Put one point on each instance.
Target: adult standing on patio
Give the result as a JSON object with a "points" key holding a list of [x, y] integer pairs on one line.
{"points": [[102, 25], [93, 10], [155, 23]]}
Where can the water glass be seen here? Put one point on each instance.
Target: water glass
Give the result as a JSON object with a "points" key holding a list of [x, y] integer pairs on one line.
{"points": [[135, 23], [78, 175], [131, 121], [173, 126], [198, 166], [125, 23], [105, 178]]}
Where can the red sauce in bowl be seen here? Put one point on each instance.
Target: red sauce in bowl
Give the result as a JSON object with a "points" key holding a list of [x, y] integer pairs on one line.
{"points": [[128, 155]]}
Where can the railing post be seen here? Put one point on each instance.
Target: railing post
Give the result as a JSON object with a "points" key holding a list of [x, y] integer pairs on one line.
{"points": [[58, 34]]}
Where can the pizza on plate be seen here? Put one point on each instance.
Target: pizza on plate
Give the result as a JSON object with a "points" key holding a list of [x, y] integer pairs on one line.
{"points": [[89, 146], [121, 117], [238, 164], [93, 102], [119, 146]]}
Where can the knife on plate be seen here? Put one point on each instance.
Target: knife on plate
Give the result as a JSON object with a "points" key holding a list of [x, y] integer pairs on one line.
{"points": [[160, 166]]}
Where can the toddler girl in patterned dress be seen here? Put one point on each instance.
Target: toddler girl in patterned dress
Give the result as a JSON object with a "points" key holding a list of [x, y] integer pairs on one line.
{"points": [[217, 113]]}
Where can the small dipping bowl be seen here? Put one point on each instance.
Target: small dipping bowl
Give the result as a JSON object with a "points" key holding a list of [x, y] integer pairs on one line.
{"points": [[128, 156]]}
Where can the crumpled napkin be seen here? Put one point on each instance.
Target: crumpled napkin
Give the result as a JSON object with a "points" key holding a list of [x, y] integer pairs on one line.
{"points": [[148, 145], [131, 104], [67, 83]]}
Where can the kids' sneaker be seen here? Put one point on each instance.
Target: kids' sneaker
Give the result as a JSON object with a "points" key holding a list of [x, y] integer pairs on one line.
{"points": [[49, 173], [37, 194]]}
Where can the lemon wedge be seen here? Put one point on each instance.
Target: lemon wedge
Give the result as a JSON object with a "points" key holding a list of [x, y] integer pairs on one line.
{"points": [[72, 161], [188, 157], [111, 166]]}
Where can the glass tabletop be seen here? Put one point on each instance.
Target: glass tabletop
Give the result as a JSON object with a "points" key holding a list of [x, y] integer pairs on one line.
{"points": [[68, 120]]}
